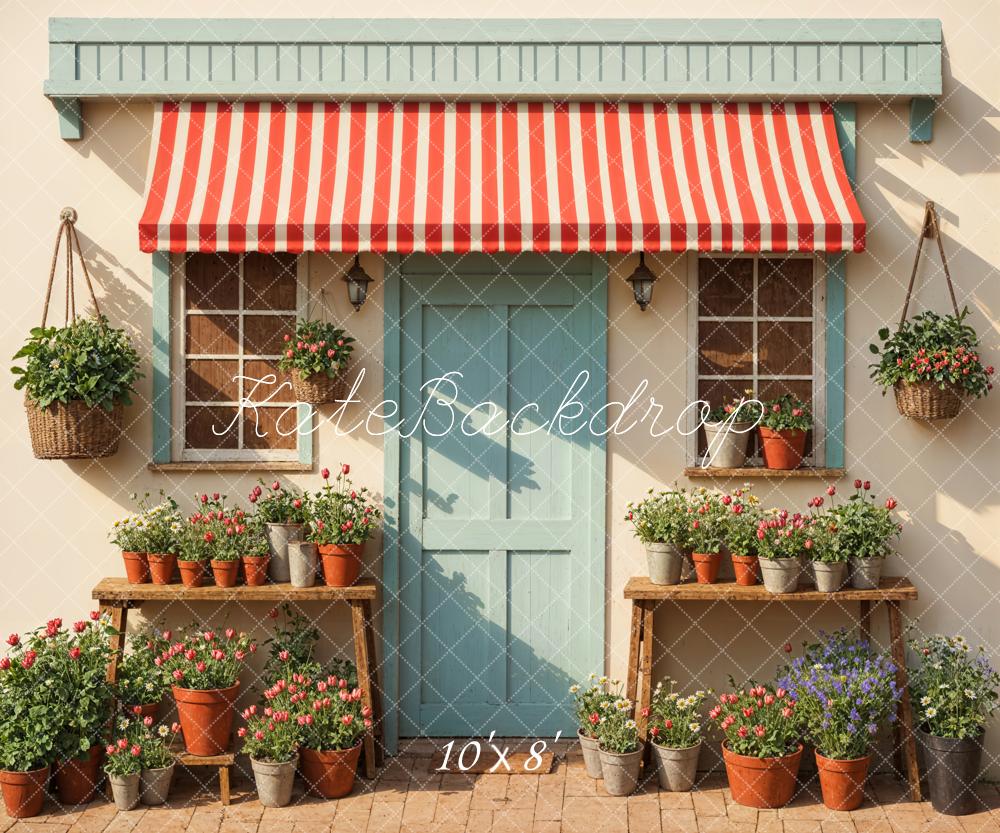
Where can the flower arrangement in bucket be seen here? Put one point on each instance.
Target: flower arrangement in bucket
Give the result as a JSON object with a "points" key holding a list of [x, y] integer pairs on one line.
{"points": [[271, 740], [333, 723], [660, 522], [761, 749], [141, 680], [316, 356], [865, 529], [158, 761], [845, 692], [123, 766], [675, 731], [932, 363], [728, 428], [344, 517], [742, 516], [618, 742], [782, 539], [205, 670], [783, 428], [828, 560], [149, 541], [281, 511], [955, 692], [586, 707], [707, 517]]}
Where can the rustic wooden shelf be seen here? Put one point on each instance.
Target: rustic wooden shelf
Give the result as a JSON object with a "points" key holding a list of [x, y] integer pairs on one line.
{"points": [[761, 472], [891, 588], [221, 762], [119, 589]]}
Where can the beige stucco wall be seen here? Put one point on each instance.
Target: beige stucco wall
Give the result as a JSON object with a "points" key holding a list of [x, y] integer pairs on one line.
{"points": [[54, 516]]}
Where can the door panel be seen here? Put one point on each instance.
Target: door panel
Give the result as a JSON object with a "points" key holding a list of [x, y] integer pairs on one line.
{"points": [[501, 518]]}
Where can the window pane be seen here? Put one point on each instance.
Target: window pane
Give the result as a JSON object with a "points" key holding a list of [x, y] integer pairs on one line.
{"points": [[784, 348], [725, 347], [785, 286], [210, 427], [212, 281], [262, 334], [270, 427], [259, 369], [210, 380], [725, 286], [269, 281], [212, 334]]}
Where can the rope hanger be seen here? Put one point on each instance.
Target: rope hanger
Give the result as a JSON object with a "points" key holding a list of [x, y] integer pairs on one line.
{"points": [[67, 228], [931, 228]]}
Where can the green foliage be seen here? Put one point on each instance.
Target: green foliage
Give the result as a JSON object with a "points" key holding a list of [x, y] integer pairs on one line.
{"points": [[954, 690], [675, 721], [154, 529], [317, 347], [661, 518], [757, 721], [203, 661], [863, 527], [941, 349], [742, 515], [277, 504], [292, 648], [616, 729], [740, 409], [786, 413], [332, 715], [586, 703], [342, 514], [86, 360], [220, 533], [273, 731], [140, 679]]}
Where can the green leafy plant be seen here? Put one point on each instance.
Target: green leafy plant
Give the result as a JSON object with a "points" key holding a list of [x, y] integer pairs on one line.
{"points": [[742, 515], [333, 716], [586, 703], [141, 677], [273, 731], [757, 721], [292, 648], [86, 360], [156, 743], [616, 730], [675, 721], [316, 347], [124, 753], [954, 689], [279, 504], [864, 527], [782, 535], [786, 413], [707, 517], [660, 518], [220, 533], [156, 528], [739, 409], [342, 514], [939, 349], [203, 662]]}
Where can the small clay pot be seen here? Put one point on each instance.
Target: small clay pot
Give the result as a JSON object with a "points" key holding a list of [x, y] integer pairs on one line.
{"points": [[162, 566], [591, 754], [706, 566], [765, 783], [77, 779], [24, 792], [255, 569], [206, 718], [746, 568], [843, 782], [192, 573], [329, 773], [341, 563], [225, 572], [782, 450], [136, 567]]}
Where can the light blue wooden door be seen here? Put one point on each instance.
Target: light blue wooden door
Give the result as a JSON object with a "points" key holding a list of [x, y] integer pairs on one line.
{"points": [[501, 511]]}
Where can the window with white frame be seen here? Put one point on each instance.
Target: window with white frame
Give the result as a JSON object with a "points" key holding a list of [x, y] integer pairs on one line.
{"points": [[756, 322], [231, 313]]}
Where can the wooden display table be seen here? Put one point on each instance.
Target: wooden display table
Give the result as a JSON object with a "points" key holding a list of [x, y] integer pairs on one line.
{"points": [[647, 596], [116, 596]]}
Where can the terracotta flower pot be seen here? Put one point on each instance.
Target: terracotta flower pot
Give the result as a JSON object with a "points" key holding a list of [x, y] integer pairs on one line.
{"points": [[765, 783], [77, 779], [206, 718], [255, 569], [24, 792], [843, 782], [706, 566], [341, 563], [225, 572], [746, 568], [145, 710], [329, 774], [192, 573], [136, 567], [162, 566], [782, 449]]}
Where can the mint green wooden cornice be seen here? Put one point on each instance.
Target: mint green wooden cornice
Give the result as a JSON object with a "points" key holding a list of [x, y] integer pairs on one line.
{"points": [[492, 59]]}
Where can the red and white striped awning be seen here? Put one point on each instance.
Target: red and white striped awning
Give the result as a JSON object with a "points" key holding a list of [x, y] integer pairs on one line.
{"points": [[437, 177]]}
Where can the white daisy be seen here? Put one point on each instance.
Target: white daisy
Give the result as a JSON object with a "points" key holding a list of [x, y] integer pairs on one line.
{"points": [[931, 712]]}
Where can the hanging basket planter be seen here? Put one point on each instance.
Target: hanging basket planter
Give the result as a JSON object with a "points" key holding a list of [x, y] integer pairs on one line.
{"points": [[315, 356], [76, 378], [318, 388], [927, 400]]}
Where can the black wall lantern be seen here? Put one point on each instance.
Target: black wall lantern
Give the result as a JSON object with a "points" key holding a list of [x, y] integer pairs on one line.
{"points": [[357, 280], [642, 280]]}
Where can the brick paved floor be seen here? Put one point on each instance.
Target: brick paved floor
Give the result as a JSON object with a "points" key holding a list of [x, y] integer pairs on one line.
{"points": [[405, 797]]}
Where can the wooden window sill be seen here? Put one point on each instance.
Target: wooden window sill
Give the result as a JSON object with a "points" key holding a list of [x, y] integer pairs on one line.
{"points": [[232, 466], [763, 473]]}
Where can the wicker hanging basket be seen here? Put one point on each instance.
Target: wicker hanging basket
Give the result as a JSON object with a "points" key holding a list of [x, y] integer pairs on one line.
{"points": [[74, 430], [927, 400], [319, 389]]}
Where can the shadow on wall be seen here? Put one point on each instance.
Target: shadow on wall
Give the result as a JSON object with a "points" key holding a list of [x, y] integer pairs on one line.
{"points": [[120, 136]]}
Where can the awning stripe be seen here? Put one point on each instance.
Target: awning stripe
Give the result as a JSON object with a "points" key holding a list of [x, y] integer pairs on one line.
{"points": [[437, 177]]}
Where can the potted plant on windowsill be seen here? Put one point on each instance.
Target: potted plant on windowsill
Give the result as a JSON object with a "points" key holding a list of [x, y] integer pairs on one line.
{"points": [[206, 680], [282, 512], [954, 691], [271, 740], [333, 727], [742, 516], [705, 529], [620, 747], [676, 734], [783, 428], [586, 702], [761, 749], [865, 530], [343, 519], [141, 680], [844, 692], [660, 522], [932, 364], [316, 356], [728, 429]]}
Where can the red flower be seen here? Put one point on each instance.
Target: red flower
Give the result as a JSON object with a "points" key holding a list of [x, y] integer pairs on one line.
{"points": [[668, 724], [831, 490], [891, 503], [74, 653], [4, 664], [345, 468], [13, 640], [275, 486], [857, 484], [286, 337], [867, 485], [742, 731], [209, 537], [655, 731], [95, 615], [645, 711], [594, 718], [325, 474], [788, 647], [759, 730], [29, 659]]}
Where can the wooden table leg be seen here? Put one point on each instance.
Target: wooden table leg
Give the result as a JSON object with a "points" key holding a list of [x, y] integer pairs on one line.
{"points": [[904, 723], [646, 667], [224, 795], [118, 616], [364, 680], [866, 620], [634, 648], [366, 608]]}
